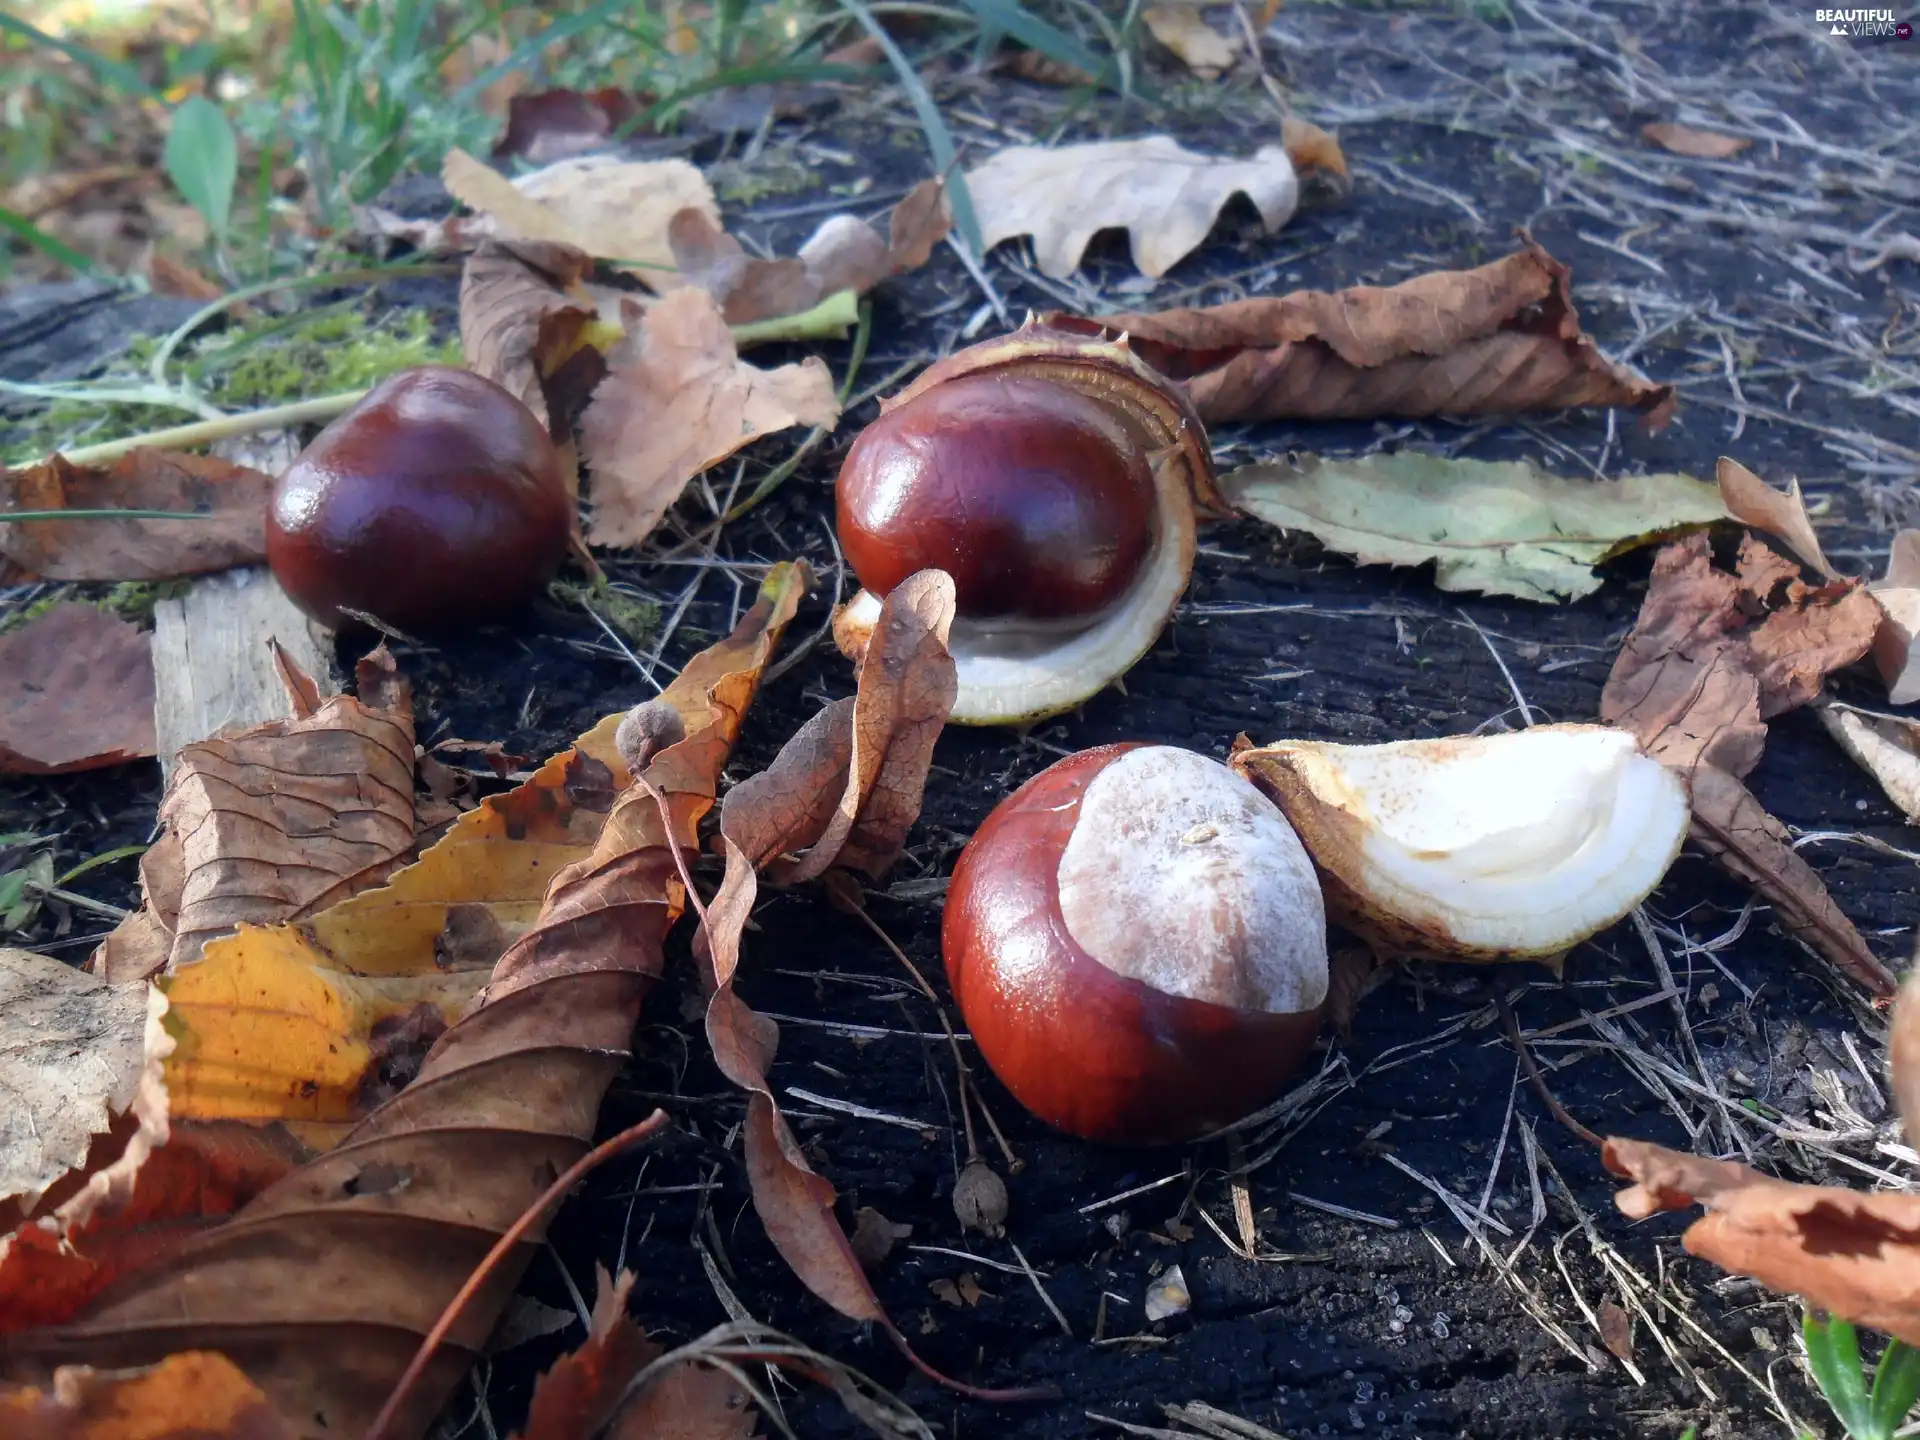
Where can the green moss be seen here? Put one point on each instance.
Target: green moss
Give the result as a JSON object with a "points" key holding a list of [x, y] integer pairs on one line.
{"points": [[739, 182], [131, 600], [635, 619], [270, 362]]}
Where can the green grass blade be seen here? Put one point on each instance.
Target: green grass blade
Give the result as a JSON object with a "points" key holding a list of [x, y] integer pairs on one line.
{"points": [[1896, 1385], [1833, 1354], [1036, 34], [203, 160], [771, 73], [11, 517], [939, 138], [125, 852], [108, 72], [523, 53], [24, 229]]}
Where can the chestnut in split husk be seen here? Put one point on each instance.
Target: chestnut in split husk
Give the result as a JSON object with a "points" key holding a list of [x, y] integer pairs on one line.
{"points": [[1056, 477], [436, 502], [1138, 944]]}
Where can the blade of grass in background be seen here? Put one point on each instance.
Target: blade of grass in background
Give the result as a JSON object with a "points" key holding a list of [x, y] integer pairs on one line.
{"points": [[25, 229], [110, 73], [939, 138], [560, 30], [1037, 34]]}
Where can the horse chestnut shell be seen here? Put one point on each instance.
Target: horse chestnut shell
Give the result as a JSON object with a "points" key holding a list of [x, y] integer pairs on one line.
{"points": [[1138, 943], [437, 501]]}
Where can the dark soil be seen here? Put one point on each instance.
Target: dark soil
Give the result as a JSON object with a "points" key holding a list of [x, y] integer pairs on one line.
{"points": [[1460, 131]]}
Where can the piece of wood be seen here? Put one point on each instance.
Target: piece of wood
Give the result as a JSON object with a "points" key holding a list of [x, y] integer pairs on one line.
{"points": [[212, 668]]}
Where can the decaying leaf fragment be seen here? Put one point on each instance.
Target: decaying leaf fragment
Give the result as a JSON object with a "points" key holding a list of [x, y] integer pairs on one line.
{"points": [[1887, 747], [1752, 501], [1183, 29], [1712, 658], [196, 1395], [844, 253], [229, 501], [1500, 527], [1896, 645], [526, 325], [1853, 1254], [678, 398], [1500, 340], [1163, 195], [76, 692], [323, 1285], [844, 790]]}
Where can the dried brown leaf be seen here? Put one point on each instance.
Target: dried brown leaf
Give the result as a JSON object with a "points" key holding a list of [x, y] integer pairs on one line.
{"points": [[548, 125], [230, 501], [286, 818], [581, 1392], [1699, 144], [1732, 827], [874, 1236], [1183, 29], [523, 316], [322, 1286], [677, 398], [688, 1401], [1852, 1254], [1752, 501], [76, 692], [1164, 196], [745, 287], [1714, 655], [1500, 340], [1896, 645], [1311, 148], [196, 1395], [1616, 1331]]}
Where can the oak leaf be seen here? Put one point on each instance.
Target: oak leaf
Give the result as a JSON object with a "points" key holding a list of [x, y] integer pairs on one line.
{"points": [[1503, 339], [677, 399], [1499, 528], [229, 528], [322, 1286], [76, 692], [1164, 196]]}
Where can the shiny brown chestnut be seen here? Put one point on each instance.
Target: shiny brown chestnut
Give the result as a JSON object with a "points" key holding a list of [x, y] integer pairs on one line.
{"points": [[1055, 475], [438, 501], [1138, 944]]}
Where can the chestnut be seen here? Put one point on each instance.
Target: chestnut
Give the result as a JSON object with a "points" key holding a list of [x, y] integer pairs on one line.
{"points": [[1138, 944], [437, 501], [1055, 476]]}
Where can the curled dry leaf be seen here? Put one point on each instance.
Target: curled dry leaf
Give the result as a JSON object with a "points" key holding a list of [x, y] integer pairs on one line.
{"points": [[1896, 644], [1852, 1254], [677, 398], [1752, 501], [1500, 340], [1887, 747], [195, 1395], [76, 692], [1501, 527], [1311, 148], [1699, 144], [526, 325], [230, 502], [845, 253], [1714, 656], [322, 1286], [1183, 29], [71, 1050], [1164, 196], [845, 790], [615, 210]]}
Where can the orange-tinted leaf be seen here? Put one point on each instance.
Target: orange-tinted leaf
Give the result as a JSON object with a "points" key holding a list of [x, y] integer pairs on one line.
{"points": [[1699, 144], [230, 499], [191, 1396], [677, 398], [1183, 29], [1852, 1254], [1500, 340], [1311, 148], [76, 692], [581, 1391], [323, 1285]]}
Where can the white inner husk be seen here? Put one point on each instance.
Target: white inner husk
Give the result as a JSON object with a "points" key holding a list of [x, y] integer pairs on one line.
{"points": [[1183, 876], [1528, 841]]}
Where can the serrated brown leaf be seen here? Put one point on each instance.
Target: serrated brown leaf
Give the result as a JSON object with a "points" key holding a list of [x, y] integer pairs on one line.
{"points": [[230, 503], [191, 1396], [76, 692], [851, 801], [523, 316], [323, 1285], [1503, 339], [1714, 656], [578, 1395], [677, 398], [1852, 1254]]}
